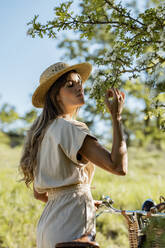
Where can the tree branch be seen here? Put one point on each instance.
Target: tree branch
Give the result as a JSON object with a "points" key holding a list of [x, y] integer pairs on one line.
{"points": [[126, 16]]}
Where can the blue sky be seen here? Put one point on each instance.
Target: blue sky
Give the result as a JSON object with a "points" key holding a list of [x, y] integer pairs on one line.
{"points": [[23, 59]]}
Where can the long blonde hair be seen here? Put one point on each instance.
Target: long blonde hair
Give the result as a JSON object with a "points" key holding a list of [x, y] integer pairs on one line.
{"points": [[35, 134]]}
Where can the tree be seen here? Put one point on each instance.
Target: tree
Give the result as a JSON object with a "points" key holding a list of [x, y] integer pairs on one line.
{"points": [[128, 46], [146, 129], [8, 115], [30, 116], [9, 125], [137, 43]]}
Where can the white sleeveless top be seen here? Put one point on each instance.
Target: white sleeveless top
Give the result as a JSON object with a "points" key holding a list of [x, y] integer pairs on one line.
{"points": [[58, 165]]}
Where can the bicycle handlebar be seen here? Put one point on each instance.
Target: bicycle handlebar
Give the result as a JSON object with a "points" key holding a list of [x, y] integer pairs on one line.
{"points": [[107, 202]]}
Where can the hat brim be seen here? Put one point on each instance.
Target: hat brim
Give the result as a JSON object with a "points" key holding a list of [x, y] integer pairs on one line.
{"points": [[38, 98]]}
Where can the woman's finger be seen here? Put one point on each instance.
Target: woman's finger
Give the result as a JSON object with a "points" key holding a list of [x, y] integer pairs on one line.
{"points": [[123, 95], [118, 92], [110, 93], [115, 94]]}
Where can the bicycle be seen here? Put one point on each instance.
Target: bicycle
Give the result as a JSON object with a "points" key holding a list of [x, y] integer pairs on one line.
{"points": [[137, 220]]}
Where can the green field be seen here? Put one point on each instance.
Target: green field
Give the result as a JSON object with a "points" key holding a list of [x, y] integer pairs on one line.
{"points": [[20, 211]]}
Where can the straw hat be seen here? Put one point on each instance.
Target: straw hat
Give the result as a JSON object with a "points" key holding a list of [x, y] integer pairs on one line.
{"points": [[52, 73]]}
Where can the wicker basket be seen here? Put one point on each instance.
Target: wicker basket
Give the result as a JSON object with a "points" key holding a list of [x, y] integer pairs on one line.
{"points": [[152, 236], [155, 233]]}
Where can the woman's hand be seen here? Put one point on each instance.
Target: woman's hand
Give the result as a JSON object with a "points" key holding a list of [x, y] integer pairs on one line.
{"points": [[115, 104], [40, 196], [97, 204]]}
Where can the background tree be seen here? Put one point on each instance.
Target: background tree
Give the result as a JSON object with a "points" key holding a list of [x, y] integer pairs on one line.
{"points": [[8, 115], [29, 116], [9, 128], [124, 45]]}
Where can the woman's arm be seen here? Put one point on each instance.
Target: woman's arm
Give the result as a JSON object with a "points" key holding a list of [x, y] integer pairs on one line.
{"points": [[116, 161]]}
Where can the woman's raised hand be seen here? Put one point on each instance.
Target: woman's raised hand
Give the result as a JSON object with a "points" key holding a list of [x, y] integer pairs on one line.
{"points": [[114, 100]]}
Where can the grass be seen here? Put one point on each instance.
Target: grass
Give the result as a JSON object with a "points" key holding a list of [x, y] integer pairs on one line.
{"points": [[20, 211]]}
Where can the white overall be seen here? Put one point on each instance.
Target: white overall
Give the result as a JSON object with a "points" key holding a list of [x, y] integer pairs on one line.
{"points": [[69, 212]]}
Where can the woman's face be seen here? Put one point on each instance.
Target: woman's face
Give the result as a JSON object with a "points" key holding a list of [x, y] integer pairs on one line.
{"points": [[71, 95]]}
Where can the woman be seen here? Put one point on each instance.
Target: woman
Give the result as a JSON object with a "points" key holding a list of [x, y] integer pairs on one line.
{"points": [[59, 154]]}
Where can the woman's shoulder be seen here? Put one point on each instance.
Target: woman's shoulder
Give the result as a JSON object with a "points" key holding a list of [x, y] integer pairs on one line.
{"points": [[78, 123], [60, 122]]}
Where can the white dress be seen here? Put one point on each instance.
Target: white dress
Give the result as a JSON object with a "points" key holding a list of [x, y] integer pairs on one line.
{"points": [[69, 212]]}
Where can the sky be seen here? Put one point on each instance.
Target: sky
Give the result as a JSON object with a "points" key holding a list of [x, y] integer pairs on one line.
{"points": [[22, 58]]}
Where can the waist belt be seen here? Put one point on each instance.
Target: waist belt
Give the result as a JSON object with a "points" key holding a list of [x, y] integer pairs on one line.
{"points": [[70, 188]]}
